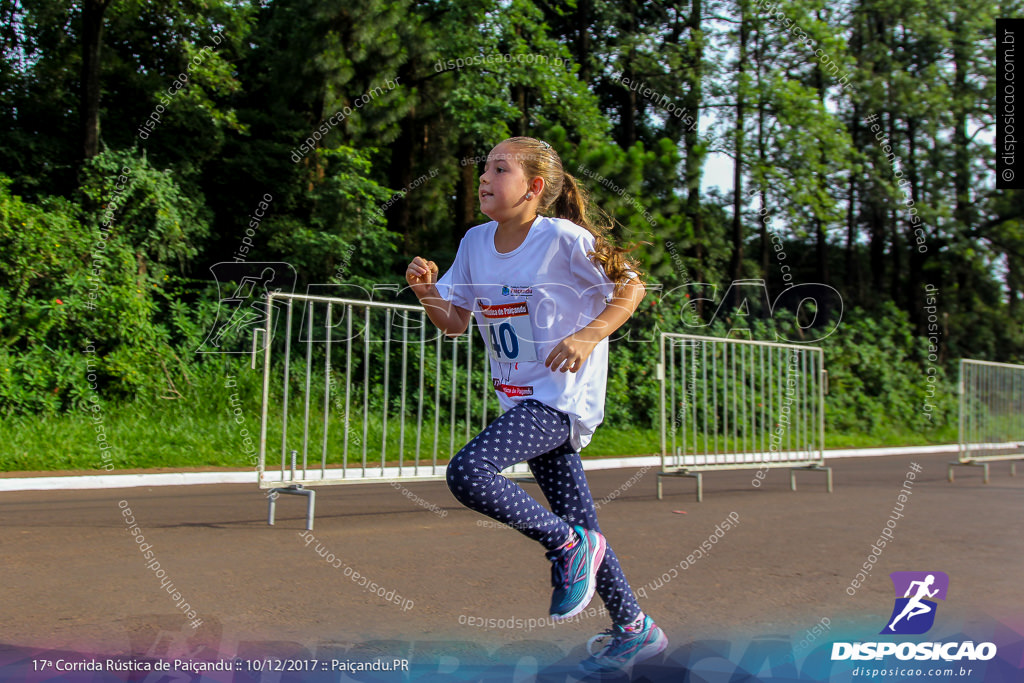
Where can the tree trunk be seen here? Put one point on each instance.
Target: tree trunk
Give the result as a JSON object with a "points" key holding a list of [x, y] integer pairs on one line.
{"points": [[915, 258], [521, 124], [89, 97], [894, 231], [736, 260], [628, 109], [821, 238], [399, 178], [851, 272], [1014, 282], [895, 255], [876, 246], [762, 154], [694, 159], [877, 214], [630, 106], [851, 266], [963, 211], [465, 195], [583, 40]]}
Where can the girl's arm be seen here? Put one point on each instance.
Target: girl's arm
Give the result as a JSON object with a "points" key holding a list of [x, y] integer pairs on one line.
{"points": [[449, 318], [574, 349]]}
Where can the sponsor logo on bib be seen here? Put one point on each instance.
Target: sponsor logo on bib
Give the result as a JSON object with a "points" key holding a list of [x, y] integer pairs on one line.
{"points": [[510, 389]]}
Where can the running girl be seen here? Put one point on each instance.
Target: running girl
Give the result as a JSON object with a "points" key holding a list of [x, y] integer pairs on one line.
{"points": [[547, 290]]}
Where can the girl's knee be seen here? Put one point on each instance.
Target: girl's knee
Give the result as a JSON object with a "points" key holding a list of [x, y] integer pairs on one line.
{"points": [[469, 478], [460, 471], [454, 476]]}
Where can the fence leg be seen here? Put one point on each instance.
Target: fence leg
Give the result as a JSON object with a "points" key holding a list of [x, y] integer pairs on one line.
{"points": [[310, 509], [293, 490], [811, 468], [692, 475], [968, 463]]}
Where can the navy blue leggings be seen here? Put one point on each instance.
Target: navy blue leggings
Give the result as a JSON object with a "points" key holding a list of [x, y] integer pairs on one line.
{"points": [[538, 434]]}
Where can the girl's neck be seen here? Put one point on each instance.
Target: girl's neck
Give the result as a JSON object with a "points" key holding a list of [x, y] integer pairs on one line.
{"points": [[517, 224], [510, 234]]}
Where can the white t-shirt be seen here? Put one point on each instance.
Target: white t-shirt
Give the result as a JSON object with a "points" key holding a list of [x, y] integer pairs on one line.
{"points": [[528, 300]]}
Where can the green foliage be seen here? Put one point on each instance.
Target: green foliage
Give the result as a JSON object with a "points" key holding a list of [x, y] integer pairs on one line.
{"points": [[879, 376], [345, 225], [109, 253], [36, 307], [69, 283], [633, 391], [145, 207]]}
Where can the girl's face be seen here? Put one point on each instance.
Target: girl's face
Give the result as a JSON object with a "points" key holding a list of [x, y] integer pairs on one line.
{"points": [[503, 185]]}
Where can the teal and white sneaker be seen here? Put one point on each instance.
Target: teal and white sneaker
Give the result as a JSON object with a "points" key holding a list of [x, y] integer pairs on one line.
{"points": [[574, 573], [625, 648]]}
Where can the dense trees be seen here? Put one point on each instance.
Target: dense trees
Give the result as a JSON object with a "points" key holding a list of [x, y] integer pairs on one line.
{"points": [[860, 135]]}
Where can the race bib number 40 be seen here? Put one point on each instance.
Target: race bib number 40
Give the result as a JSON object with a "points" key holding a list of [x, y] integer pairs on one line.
{"points": [[509, 334]]}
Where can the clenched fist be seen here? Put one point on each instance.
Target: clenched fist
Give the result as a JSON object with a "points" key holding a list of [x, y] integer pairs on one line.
{"points": [[420, 275]]}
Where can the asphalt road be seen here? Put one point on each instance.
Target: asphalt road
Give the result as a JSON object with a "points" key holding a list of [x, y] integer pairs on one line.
{"points": [[73, 577]]}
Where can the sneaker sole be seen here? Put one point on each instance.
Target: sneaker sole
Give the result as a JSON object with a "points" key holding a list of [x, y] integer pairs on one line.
{"points": [[596, 561], [646, 652], [652, 649]]}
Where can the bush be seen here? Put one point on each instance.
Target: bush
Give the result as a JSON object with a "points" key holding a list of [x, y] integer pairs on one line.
{"points": [[86, 292], [877, 371], [878, 377]]}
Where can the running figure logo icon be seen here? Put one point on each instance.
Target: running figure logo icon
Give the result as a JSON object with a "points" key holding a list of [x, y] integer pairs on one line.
{"points": [[245, 309], [914, 612]]}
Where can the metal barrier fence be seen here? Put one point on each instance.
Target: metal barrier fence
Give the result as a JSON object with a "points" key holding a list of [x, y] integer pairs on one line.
{"points": [[991, 414], [384, 396], [400, 397], [742, 404]]}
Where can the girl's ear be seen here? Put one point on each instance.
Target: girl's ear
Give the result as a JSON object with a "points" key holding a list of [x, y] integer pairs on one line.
{"points": [[536, 186]]}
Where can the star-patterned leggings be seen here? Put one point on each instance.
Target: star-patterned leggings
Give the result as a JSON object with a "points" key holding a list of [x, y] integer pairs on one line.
{"points": [[538, 434]]}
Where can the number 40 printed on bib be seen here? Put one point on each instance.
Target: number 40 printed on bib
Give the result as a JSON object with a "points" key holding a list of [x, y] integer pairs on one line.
{"points": [[509, 334]]}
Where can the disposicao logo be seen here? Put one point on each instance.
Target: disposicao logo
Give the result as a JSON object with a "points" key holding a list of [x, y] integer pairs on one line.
{"points": [[913, 614]]}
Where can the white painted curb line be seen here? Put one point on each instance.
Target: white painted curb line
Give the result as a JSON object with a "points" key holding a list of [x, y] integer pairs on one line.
{"points": [[120, 481]]}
